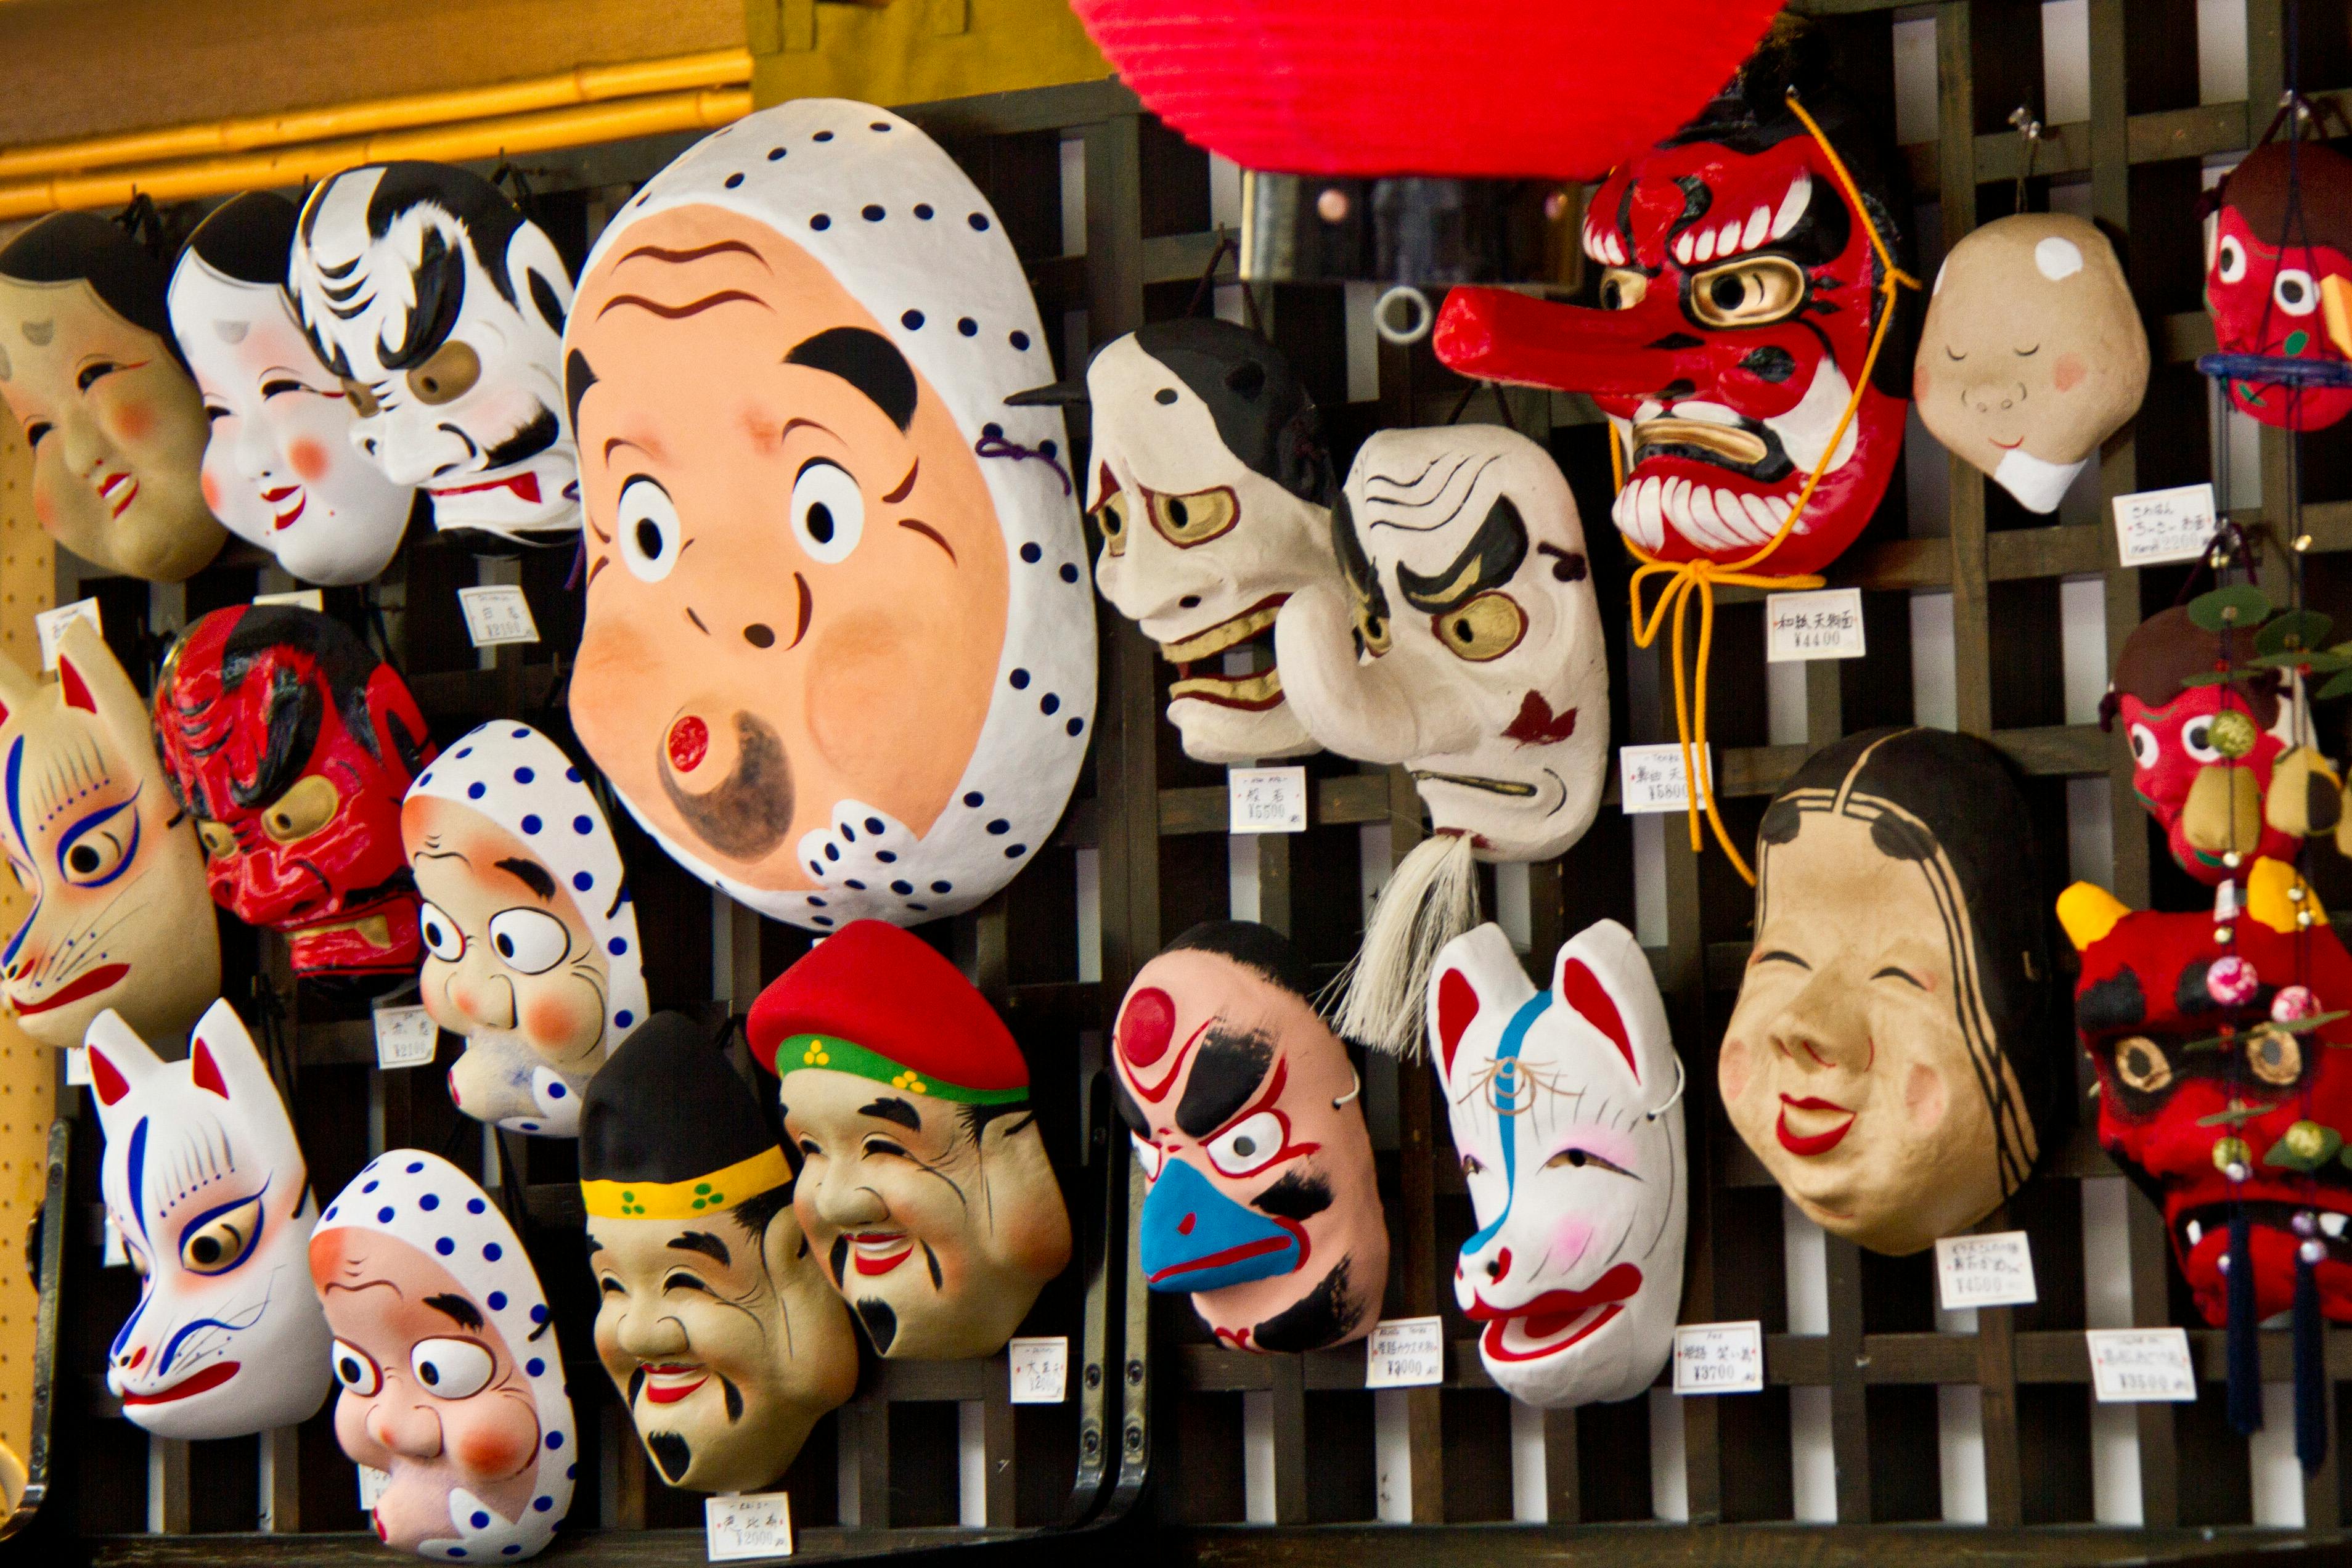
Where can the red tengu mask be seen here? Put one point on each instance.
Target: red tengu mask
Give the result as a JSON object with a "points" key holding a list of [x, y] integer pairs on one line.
{"points": [[293, 744], [2280, 299], [1739, 291], [2172, 1055]]}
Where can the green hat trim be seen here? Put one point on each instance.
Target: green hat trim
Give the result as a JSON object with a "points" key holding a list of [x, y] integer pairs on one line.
{"points": [[837, 1055]]}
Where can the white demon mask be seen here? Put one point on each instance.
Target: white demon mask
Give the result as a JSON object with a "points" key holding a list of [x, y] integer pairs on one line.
{"points": [[279, 469], [441, 309], [1210, 490], [1567, 1113], [206, 1184]]}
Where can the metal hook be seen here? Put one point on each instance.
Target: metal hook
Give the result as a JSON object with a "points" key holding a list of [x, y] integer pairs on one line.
{"points": [[1419, 316], [1354, 1092], [1682, 1081]]}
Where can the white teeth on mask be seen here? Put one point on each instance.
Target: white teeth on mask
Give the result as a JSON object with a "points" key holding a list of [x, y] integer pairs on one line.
{"points": [[1759, 223], [1702, 247], [1726, 238], [1649, 408], [1760, 513], [1701, 507], [1647, 509], [1794, 205], [2331, 1225], [1683, 249], [1616, 251], [2196, 1232]]}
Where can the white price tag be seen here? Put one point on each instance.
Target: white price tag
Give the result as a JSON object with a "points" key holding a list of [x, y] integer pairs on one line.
{"points": [[115, 1257], [748, 1525], [406, 1037], [1995, 1270], [497, 613], [1405, 1352], [2133, 1366], [1719, 1358], [1651, 778], [1825, 623], [2156, 526], [371, 1484], [1040, 1370], [300, 598], [1266, 800], [77, 1067], [51, 626]]}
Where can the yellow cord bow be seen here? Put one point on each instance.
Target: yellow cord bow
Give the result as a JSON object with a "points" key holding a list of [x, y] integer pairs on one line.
{"points": [[1685, 578]]}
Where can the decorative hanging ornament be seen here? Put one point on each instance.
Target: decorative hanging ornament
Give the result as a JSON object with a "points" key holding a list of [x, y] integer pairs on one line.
{"points": [[843, 667], [2278, 282]]}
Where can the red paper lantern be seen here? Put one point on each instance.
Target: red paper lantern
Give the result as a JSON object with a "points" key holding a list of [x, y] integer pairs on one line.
{"points": [[1525, 89]]}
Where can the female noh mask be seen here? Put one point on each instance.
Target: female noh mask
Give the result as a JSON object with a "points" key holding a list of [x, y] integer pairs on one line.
{"points": [[88, 366], [1883, 1058], [279, 469]]}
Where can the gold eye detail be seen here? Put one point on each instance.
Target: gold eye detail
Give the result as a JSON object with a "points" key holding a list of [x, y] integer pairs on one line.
{"points": [[1196, 519], [221, 1243], [218, 841], [1747, 293], [1621, 289], [301, 811], [2275, 1055], [2141, 1063], [448, 375], [363, 401], [1110, 516], [1489, 626], [1372, 627]]}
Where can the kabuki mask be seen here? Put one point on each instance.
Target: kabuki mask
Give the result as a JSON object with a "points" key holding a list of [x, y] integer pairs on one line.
{"points": [[205, 1184], [280, 469], [1246, 1117], [2033, 352], [116, 427], [839, 652], [2278, 277], [440, 308], [1739, 295], [1211, 489], [717, 1322], [1567, 1113], [293, 745], [1884, 1058], [924, 1186], [452, 1381], [531, 939], [120, 918]]}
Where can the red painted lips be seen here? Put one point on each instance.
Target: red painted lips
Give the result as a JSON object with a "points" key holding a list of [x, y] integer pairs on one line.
{"points": [[212, 1377], [1552, 1313], [1806, 1145], [90, 984]]}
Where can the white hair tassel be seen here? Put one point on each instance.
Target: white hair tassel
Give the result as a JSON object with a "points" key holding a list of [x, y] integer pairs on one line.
{"points": [[1431, 898]]}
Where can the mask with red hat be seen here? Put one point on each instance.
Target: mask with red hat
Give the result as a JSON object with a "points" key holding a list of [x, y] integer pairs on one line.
{"points": [[924, 1184]]}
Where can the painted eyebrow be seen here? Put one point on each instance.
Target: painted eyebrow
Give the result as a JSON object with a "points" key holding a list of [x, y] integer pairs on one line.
{"points": [[892, 1108], [702, 1241], [1492, 555], [617, 442], [658, 253], [531, 874], [458, 1310], [1227, 1070], [680, 312], [1783, 955]]}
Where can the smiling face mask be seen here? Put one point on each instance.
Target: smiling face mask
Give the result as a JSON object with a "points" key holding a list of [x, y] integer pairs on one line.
{"points": [[440, 308], [717, 1322], [280, 469], [531, 939], [2033, 352], [839, 648], [1246, 1115], [452, 1382], [1883, 1059], [205, 1184], [1567, 1113], [116, 427], [119, 919]]}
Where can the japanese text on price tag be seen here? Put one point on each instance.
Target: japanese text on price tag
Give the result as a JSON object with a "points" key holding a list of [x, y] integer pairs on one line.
{"points": [[1651, 778], [1719, 1358], [1405, 1352], [1823, 624], [371, 1484], [1994, 1271], [748, 1525], [299, 598], [2156, 526], [1267, 800], [497, 613], [406, 1037], [51, 624], [2131, 1366], [1040, 1370]]}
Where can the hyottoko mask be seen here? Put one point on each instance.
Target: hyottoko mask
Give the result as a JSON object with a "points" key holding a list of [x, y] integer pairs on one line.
{"points": [[280, 469], [441, 308], [1567, 1113], [120, 920], [1738, 296], [207, 1186], [839, 654], [1885, 1059], [2278, 277], [1211, 489], [716, 1321], [924, 1185], [2033, 352], [117, 428], [531, 939], [452, 1382], [293, 744], [1246, 1116]]}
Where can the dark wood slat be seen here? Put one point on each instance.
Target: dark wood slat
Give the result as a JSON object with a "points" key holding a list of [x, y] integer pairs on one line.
{"points": [[1293, 1449], [1849, 1384], [1563, 1487]]}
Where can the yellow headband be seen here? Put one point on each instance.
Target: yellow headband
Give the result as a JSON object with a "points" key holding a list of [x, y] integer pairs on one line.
{"points": [[702, 1196]]}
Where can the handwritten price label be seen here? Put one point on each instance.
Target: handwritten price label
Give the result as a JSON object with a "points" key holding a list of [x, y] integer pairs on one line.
{"points": [[1823, 624], [300, 598], [51, 624], [371, 1484], [1405, 1352], [406, 1037], [1994, 1271], [497, 613], [2134, 1366], [1719, 1358], [748, 1525], [2156, 526], [1651, 779], [1040, 1370], [1266, 800]]}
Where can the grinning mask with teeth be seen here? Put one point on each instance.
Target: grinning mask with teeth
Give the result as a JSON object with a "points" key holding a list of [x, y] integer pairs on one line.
{"points": [[441, 308], [1211, 491], [1567, 1113], [1739, 295]]}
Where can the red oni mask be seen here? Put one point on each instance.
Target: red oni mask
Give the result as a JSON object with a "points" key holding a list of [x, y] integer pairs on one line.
{"points": [[2267, 297], [293, 745], [2169, 1055], [1737, 300]]}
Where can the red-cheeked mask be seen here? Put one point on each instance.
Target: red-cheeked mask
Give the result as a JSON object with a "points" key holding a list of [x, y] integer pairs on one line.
{"points": [[2267, 297], [2184, 1029], [293, 744], [1737, 300]]}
